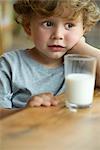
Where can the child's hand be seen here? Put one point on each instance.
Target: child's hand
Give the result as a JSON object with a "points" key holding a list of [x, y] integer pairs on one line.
{"points": [[83, 39], [76, 49], [80, 43], [44, 99]]}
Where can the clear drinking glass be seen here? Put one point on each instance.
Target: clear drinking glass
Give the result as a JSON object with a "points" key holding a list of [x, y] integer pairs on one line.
{"points": [[79, 80]]}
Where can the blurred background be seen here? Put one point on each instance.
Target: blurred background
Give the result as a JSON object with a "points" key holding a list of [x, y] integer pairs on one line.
{"points": [[12, 36]]}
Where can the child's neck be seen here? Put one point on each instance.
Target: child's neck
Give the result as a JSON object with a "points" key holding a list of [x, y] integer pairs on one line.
{"points": [[49, 62]]}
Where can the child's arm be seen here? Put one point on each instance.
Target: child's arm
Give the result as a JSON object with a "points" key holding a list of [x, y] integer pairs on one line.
{"points": [[45, 99], [85, 49]]}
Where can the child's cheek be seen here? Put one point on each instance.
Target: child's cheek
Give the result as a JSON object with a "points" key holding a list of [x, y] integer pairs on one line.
{"points": [[72, 40]]}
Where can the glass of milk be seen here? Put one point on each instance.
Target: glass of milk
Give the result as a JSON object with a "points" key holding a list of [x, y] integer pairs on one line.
{"points": [[79, 80]]}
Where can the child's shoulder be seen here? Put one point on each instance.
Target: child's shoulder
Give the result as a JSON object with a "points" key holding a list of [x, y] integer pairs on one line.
{"points": [[13, 53], [12, 56]]}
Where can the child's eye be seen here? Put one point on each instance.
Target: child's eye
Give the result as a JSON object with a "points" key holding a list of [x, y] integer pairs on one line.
{"points": [[69, 25], [48, 24]]}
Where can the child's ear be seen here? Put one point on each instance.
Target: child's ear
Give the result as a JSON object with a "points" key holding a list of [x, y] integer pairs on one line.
{"points": [[26, 26]]}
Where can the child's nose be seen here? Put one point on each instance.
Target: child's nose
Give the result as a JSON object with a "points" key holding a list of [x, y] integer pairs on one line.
{"points": [[58, 34]]}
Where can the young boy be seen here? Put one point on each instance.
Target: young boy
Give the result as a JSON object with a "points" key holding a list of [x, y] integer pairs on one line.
{"points": [[32, 77]]}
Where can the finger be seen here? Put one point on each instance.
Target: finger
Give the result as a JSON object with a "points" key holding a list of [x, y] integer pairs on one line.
{"points": [[46, 99], [46, 103], [47, 96], [36, 101], [54, 101], [49, 99]]}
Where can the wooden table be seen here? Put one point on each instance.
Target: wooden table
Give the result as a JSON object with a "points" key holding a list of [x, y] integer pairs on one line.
{"points": [[53, 128]]}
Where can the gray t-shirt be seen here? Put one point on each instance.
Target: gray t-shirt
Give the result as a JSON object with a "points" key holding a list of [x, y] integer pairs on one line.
{"points": [[22, 77]]}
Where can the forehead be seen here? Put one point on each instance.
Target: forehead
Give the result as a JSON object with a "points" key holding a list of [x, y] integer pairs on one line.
{"points": [[66, 14]]}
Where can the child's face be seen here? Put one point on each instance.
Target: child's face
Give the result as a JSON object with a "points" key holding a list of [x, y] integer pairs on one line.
{"points": [[54, 36]]}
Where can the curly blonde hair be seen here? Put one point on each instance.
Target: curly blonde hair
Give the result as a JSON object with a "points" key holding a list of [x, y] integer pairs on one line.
{"points": [[46, 8]]}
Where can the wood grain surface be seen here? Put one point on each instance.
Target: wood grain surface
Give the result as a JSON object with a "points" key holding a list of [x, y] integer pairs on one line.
{"points": [[52, 128]]}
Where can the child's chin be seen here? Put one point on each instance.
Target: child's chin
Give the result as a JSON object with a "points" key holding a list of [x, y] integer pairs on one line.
{"points": [[57, 56]]}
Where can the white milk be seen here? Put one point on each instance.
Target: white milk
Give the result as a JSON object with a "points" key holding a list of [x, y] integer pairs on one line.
{"points": [[79, 88]]}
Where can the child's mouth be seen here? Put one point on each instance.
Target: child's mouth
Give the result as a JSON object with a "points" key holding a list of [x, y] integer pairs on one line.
{"points": [[56, 48]]}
